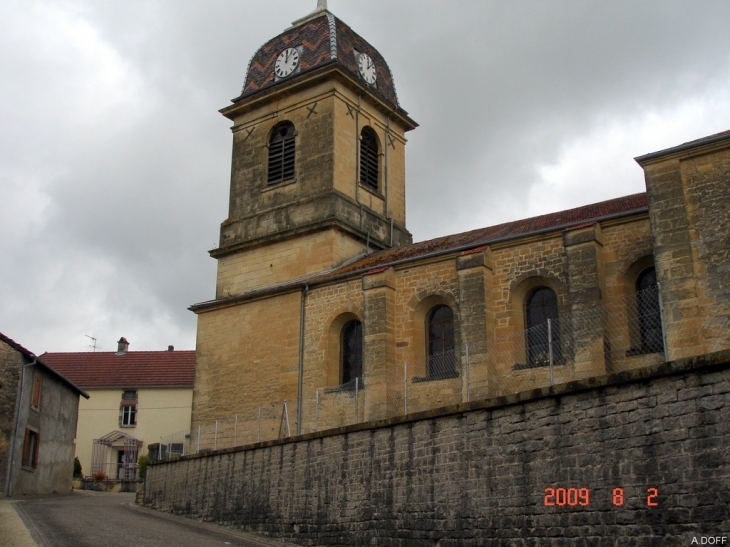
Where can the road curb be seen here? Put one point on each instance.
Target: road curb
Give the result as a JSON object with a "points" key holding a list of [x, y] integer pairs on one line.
{"points": [[13, 528]]}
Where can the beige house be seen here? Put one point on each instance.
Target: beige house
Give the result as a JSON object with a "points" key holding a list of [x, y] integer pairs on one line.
{"points": [[136, 397]]}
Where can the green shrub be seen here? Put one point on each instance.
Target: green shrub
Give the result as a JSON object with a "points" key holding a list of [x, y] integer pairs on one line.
{"points": [[78, 473], [143, 460]]}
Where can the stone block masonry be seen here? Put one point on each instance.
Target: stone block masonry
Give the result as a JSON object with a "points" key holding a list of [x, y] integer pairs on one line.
{"points": [[479, 473]]}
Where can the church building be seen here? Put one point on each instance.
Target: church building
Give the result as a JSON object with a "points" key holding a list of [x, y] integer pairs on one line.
{"points": [[323, 301]]}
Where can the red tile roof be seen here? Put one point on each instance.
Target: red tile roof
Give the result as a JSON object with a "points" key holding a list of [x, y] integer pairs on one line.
{"points": [[134, 369], [466, 243], [571, 218]]}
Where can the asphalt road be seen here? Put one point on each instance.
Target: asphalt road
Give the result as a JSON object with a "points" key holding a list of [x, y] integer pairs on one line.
{"points": [[97, 519]]}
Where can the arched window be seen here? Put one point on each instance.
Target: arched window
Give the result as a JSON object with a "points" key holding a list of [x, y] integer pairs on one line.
{"points": [[369, 159], [441, 354], [281, 154], [647, 306], [541, 306], [351, 351]]}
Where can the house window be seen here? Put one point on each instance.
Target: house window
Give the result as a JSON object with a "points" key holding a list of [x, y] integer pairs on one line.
{"points": [[35, 399], [281, 154], [650, 320], [441, 355], [128, 416], [129, 395], [351, 351], [30, 448], [541, 306], [369, 159]]}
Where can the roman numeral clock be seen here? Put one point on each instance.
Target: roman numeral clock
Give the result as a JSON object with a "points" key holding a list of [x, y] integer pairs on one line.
{"points": [[366, 67], [286, 63]]}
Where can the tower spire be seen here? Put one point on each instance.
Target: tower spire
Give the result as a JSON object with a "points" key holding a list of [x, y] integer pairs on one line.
{"points": [[321, 5]]}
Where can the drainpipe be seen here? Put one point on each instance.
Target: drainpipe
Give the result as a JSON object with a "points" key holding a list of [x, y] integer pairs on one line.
{"points": [[385, 175], [17, 422], [301, 360], [357, 152]]}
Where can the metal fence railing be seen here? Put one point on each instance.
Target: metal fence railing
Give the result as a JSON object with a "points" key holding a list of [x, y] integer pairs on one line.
{"points": [[578, 344]]}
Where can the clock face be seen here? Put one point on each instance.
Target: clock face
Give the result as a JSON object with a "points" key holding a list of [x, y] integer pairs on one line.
{"points": [[366, 66], [287, 62]]}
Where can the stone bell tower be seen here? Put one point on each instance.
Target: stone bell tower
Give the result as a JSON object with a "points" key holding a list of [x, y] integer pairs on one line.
{"points": [[318, 167]]}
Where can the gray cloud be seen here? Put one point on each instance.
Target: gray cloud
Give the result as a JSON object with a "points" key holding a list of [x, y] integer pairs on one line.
{"points": [[114, 164]]}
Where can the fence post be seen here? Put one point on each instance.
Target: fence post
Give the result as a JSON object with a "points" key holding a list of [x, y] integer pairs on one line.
{"points": [[357, 408], [468, 378], [405, 387], [661, 319], [183, 440], [198, 450], [550, 349], [258, 421], [159, 450], [235, 431], [316, 410]]}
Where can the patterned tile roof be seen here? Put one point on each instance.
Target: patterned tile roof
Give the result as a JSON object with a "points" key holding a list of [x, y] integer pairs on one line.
{"points": [[30, 356], [134, 369], [323, 39]]}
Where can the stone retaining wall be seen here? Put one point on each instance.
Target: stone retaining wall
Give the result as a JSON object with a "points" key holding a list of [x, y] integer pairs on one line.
{"points": [[479, 473]]}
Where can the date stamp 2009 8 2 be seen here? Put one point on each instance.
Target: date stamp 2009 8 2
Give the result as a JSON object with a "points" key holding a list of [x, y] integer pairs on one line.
{"points": [[582, 497]]}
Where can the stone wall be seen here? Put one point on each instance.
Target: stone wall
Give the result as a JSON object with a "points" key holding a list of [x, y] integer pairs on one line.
{"points": [[11, 362], [477, 473]]}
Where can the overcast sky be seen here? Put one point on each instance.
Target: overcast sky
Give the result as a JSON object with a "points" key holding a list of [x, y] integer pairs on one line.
{"points": [[115, 164]]}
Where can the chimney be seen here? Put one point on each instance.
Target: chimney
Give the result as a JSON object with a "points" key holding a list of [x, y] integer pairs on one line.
{"points": [[122, 346], [170, 348]]}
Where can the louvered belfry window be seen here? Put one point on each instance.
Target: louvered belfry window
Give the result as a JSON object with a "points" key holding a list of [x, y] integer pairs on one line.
{"points": [[369, 159], [281, 154]]}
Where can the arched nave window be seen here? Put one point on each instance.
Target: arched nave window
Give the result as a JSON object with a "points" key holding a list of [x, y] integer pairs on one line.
{"points": [[541, 306], [647, 305], [351, 351], [441, 354]]}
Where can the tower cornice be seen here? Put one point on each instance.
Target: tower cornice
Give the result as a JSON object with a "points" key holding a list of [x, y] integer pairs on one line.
{"points": [[324, 73]]}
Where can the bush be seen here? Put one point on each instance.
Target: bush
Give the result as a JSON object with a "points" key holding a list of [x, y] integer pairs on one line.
{"points": [[78, 473], [143, 461]]}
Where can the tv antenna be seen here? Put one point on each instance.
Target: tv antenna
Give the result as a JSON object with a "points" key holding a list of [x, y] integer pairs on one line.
{"points": [[93, 345]]}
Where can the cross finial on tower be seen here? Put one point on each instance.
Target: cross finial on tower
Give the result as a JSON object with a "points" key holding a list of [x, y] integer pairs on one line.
{"points": [[321, 5]]}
